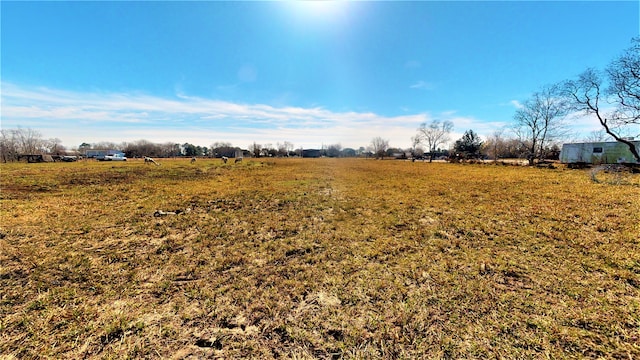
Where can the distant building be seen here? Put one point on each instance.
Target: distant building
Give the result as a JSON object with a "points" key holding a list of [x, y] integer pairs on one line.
{"points": [[102, 153], [613, 152], [402, 155], [311, 153]]}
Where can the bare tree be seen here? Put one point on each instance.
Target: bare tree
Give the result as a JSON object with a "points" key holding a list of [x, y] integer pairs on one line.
{"points": [[285, 148], [289, 147], [107, 145], [143, 148], [8, 146], [221, 148], [540, 121], [333, 150], [15, 142], [170, 149], [596, 136], [379, 146], [434, 134], [495, 144], [54, 146], [415, 142], [255, 149], [624, 84], [29, 141], [588, 93]]}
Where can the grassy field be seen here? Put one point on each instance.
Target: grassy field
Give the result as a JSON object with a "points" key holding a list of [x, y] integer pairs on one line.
{"points": [[316, 258]]}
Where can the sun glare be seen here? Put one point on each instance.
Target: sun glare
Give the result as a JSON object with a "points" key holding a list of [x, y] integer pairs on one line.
{"points": [[319, 11], [318, 7]]}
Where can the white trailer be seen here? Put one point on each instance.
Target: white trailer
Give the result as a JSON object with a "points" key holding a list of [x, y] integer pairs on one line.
{"points": [[595, 153]]}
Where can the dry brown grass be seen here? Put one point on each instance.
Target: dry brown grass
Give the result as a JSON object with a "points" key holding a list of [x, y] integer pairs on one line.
{"points": [[317, 258]]}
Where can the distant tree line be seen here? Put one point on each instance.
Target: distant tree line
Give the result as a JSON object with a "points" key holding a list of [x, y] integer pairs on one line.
{"points": [[16, 142], [22, 141], [471, 146]]}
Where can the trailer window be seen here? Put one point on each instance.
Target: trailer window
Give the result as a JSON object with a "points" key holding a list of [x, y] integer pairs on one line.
{"points": [[597, 150]]}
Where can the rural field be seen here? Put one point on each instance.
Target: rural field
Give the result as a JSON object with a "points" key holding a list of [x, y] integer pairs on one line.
{"points": [[316, 258]]}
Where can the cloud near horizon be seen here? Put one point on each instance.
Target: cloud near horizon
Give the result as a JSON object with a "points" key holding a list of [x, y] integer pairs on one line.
{"points": [[76, 117]]}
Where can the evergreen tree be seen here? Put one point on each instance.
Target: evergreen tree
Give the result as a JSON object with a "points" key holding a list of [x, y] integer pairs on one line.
{"points": [[469, 145]]}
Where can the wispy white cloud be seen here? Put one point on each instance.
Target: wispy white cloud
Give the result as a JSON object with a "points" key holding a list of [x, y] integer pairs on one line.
{"points": [[516, 104], [423, 85], [77, 117]]}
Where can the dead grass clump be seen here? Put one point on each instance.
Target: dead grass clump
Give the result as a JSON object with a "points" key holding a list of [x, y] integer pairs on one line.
{"points": [[614, 175]]}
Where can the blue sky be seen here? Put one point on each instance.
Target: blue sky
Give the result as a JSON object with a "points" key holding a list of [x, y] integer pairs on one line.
{"points": [[310, 73]]}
